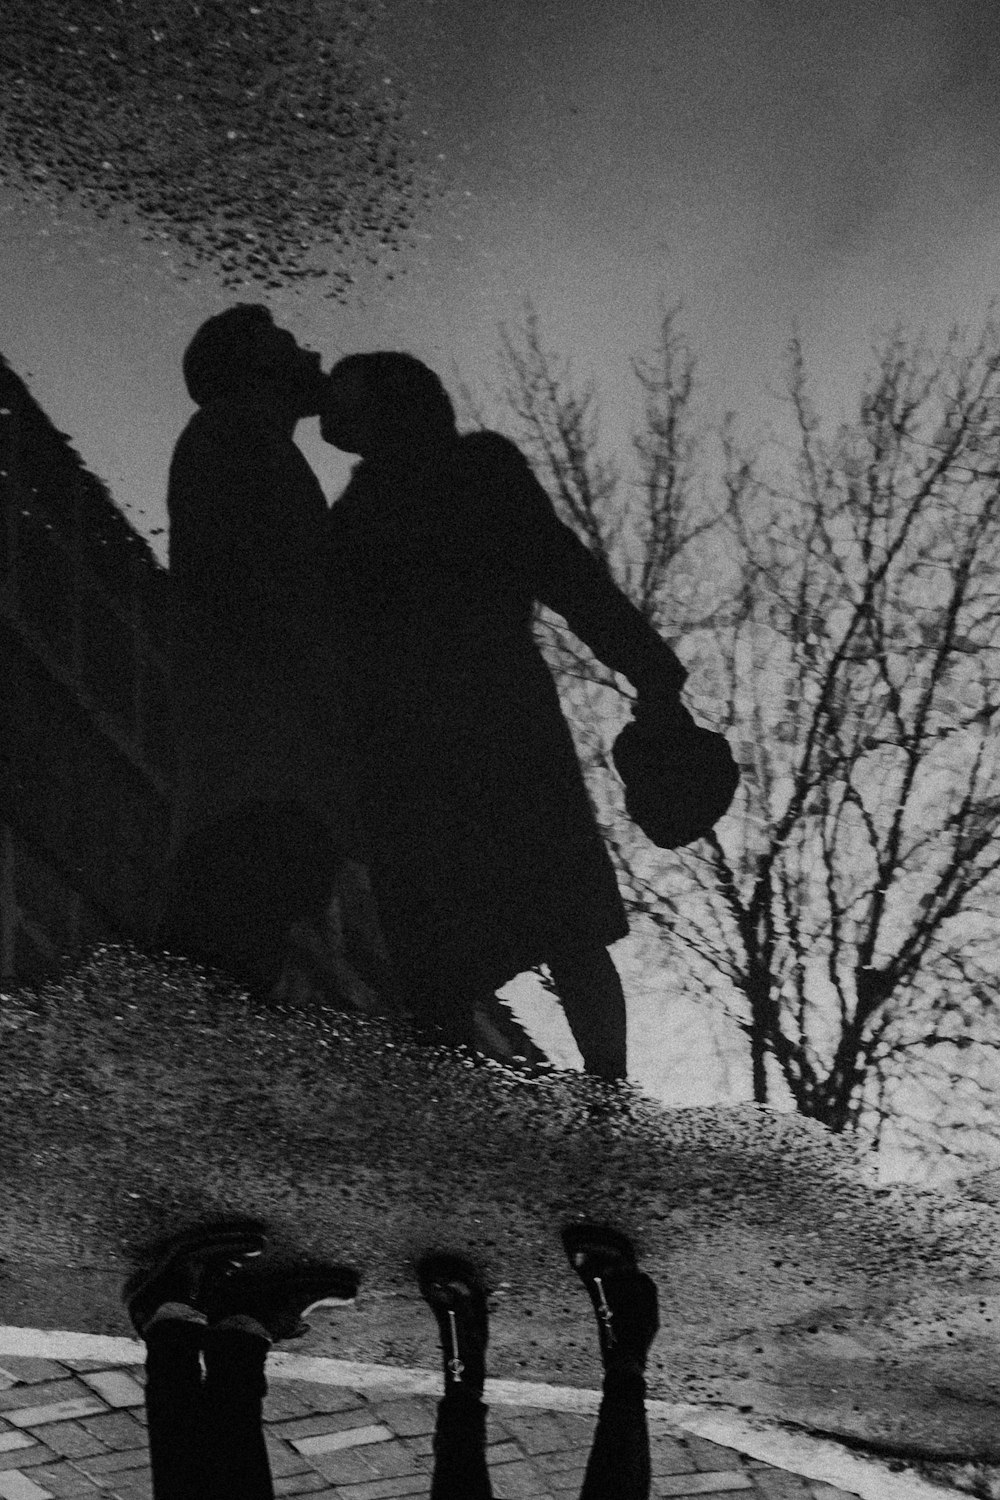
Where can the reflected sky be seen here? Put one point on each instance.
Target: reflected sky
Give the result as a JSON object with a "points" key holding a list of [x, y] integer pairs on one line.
{"points": [[764, 164], [767, 165]]}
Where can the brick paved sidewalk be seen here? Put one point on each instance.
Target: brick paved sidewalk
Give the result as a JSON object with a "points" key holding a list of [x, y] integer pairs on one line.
{"points": [[76, 1427]]}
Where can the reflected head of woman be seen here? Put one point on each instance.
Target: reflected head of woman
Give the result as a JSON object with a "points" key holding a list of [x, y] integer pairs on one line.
{"points": [[385, 405]]}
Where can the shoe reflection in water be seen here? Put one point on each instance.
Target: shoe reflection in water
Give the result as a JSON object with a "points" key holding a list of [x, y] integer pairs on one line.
{"points": [[624, 1299], [209, 1310]]}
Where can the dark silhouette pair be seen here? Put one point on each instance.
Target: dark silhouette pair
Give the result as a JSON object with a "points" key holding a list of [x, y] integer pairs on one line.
{"points": [[363, 680], [210, 1300]]}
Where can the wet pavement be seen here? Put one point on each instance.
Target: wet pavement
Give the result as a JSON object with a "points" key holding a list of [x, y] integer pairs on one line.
{"points": [[72, 1423]]}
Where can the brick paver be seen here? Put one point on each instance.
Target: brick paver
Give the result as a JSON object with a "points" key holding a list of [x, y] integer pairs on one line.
{"points": [[26, 1370], [27, 1458], [18, 1396], [68, 1439], [15, 1486], [304, 1483], [776, 1484], [722, 1482], [65, 1478], [115, 1429], [54, 1411], [72, 1429], [115, 1387], [408, 1418]]}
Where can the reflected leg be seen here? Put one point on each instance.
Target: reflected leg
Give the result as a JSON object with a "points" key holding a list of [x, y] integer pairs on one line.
{"points": [[618, 1467], [175, 1409], [625, 1302], [237, 886], [235, 1353], [460, 1471], [590, 990], [452, 1288]]}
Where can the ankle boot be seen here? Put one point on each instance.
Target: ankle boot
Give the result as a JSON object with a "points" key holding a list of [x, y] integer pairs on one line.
{"points": [[455, 1293]]}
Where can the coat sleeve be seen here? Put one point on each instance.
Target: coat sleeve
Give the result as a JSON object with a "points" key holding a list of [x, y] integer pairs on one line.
{"points": [[568, 579]]}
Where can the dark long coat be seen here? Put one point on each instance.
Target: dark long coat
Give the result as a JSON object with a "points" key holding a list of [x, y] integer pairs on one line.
{"points": [[255, 704], [485, 853]]}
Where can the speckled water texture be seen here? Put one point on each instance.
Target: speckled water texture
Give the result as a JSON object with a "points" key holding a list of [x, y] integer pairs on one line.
{"points": [[249, 137], [139, 1097]]}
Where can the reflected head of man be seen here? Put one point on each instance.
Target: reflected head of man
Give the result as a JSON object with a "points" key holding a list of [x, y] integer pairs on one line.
{"points": [[242, 352]]}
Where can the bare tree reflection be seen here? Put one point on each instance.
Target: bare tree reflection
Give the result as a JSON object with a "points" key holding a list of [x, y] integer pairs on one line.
{"points": [[839, 605]]}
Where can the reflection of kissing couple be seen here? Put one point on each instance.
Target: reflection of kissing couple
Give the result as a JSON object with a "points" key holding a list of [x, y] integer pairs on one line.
{"points": [[207, 1299], [358, 685]]}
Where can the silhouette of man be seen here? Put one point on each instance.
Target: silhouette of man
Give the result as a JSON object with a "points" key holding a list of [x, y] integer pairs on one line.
{"points": [[485, 855], [259, 800]]}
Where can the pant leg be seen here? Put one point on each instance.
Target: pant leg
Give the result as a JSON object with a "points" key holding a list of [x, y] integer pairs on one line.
{"points": [[618, 1467], [219, 908], [237, 886], [460, 1471], [178, 1442], [590, 991], [235, 1388]]}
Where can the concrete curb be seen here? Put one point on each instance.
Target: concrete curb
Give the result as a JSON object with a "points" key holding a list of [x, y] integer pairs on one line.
{"points": [[813, 1458]]}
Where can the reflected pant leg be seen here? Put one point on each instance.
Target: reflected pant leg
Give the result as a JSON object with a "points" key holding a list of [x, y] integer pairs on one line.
{"points": [[460, 1471], [221, 906], [237, 886], [618, 1467], [590, 991], [441, 986], [175, 1412], [235, 1388]]}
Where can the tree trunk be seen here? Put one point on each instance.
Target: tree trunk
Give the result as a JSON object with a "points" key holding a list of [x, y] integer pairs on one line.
{"points": [[757, 995]]}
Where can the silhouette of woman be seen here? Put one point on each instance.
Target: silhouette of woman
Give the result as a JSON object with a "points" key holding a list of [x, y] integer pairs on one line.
{"points": [[485, 855]]}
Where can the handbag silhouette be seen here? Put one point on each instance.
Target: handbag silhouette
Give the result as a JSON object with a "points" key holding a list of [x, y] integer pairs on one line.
{"points": [[678, 784]]}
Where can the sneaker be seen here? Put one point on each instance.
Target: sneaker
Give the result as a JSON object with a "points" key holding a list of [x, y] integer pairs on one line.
{"points": [[453, 1289], [281, 1297], [190, 1267], [624, 1298]]}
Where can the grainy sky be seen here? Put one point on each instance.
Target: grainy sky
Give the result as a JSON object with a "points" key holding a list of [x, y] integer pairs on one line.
{"points": [[764, 162]]}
